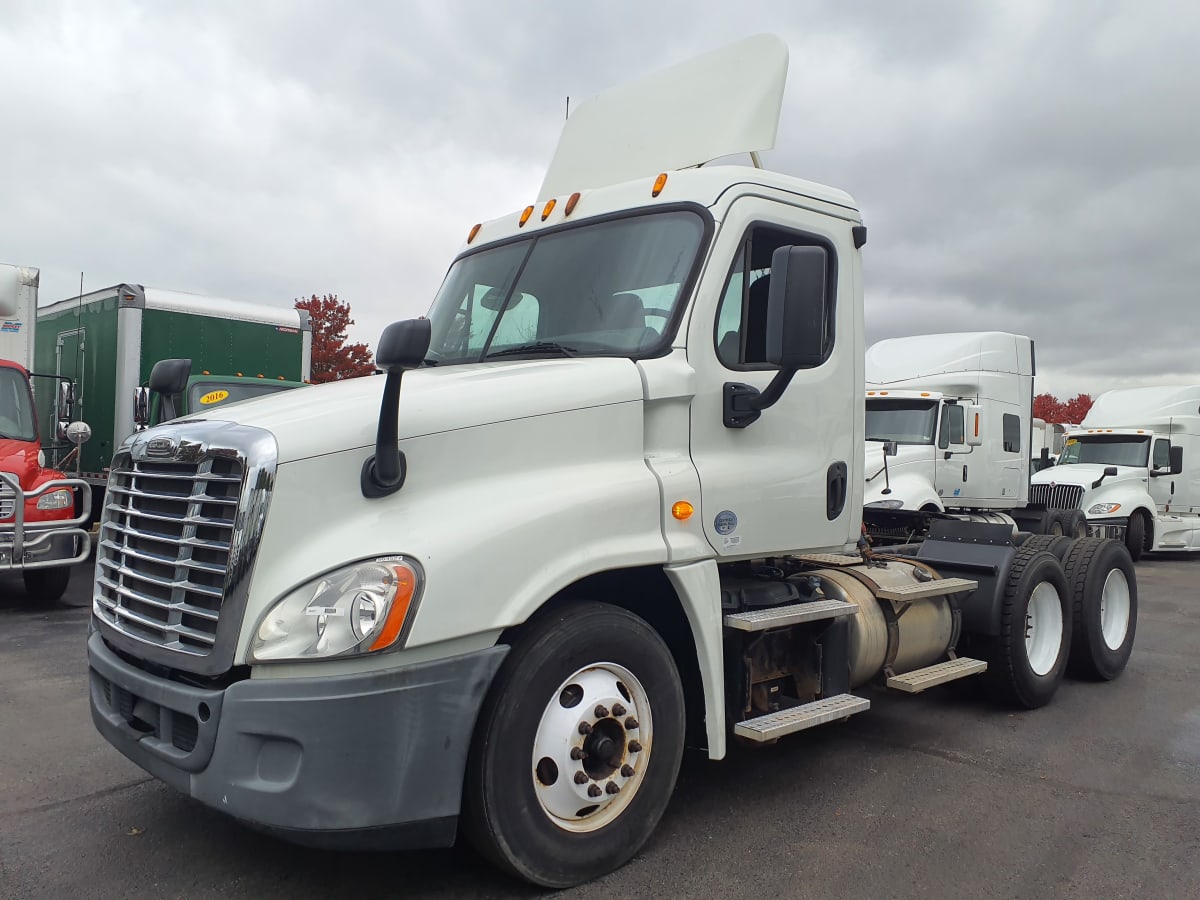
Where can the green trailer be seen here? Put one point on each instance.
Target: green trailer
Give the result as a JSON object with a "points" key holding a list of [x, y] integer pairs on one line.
{"points": [[106, 342]]}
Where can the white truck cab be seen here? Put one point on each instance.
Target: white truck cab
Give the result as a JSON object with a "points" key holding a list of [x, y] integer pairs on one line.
{"points": [[1131, 466], [605, 502], [955, 412]]}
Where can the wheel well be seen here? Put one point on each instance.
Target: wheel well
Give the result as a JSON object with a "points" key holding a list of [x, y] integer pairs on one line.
{"points": [[646, 592]]}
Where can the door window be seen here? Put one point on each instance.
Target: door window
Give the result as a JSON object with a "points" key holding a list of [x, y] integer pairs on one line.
{"points": [[954, 426], [1012, 433], [1162, 455]]}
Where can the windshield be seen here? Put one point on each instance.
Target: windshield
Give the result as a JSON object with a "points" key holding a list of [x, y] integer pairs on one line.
{"points": [[16, 406], [609, 288], [1107, 450], [902, 421]]}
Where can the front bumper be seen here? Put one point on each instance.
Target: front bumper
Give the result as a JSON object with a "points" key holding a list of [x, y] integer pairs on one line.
{"points": [[44, 544], [370, 761], [1112, 528]]}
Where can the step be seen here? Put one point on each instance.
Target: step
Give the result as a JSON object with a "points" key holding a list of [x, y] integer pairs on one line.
{"points": [[797, 718], [939, 587], [918, 680], [792, 614], [829, 559]]}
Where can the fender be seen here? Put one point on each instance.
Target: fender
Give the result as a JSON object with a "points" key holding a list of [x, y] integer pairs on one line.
{"points": [[978, 551]]}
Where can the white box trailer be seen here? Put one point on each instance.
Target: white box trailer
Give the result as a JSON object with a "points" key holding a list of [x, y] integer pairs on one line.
{"points": [[1133, 468]]}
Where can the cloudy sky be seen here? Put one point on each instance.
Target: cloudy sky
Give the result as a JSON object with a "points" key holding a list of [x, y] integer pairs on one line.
{"points": [[1024, 166]]}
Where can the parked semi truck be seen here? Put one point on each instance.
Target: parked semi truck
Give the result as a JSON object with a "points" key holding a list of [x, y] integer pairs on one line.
{"points": [[1133, 468], [105, 343], [606, 503], [41, 510], [955, 412]]}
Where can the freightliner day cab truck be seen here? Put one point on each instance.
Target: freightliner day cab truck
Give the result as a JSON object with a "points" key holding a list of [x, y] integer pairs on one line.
{"points": [[41, 510], [950, 428], [606, 503], [1133, 468]]}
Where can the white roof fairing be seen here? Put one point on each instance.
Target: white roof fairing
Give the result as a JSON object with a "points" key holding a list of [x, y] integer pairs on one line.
{"points": [[724, 102]]}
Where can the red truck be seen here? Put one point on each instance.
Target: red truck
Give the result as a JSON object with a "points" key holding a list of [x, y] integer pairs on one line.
{"points": [[41, 510]]}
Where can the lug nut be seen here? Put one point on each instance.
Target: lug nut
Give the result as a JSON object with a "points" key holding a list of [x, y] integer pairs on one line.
{"points": [[635, 746], [594, 790], [577, 753], [585, 728], [618, 709], [627, 770], [601, 711], [611, 788], [631, 723], [581, 778]]}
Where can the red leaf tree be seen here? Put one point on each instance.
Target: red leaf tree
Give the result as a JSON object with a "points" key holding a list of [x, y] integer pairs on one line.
{"points": [[1051, 409], [332, 358]]}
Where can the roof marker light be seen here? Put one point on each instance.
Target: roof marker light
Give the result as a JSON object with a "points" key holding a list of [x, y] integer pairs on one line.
{"points": [[659, 183], [525, 216], [571, 201], [548, 208], [474, 231]]}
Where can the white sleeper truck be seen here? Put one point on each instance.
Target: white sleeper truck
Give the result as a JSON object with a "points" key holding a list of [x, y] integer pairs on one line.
{"points": [[606, 503], [1133, 468]]}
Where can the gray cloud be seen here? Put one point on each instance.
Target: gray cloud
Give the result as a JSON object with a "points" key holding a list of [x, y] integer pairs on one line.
{"points": [[1025, 166]]}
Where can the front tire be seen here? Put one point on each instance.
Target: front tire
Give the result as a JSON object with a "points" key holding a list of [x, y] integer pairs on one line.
{"points": [[46, 586], [1026, 660], [1100, 576], [577, 747], [1135, 536]]}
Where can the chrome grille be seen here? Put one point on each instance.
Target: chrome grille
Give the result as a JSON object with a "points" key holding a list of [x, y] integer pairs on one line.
{"points": [[8, 501], [166, 539], [1056, 496]]}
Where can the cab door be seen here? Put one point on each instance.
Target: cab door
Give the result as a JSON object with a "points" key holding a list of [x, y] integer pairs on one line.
{"points": [[792, 480], [1162, 487], [952, 460]]}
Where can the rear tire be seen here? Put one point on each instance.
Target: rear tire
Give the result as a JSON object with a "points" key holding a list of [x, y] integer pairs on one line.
{"points": [[1135, 536], [1058, 545], [1100, 576], [524, 807], [1027, 659], [46, 586]]}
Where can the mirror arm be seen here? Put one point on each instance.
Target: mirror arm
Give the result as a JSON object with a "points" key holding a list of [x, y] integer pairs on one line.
{"points": [[743, 403], [383, 473]]}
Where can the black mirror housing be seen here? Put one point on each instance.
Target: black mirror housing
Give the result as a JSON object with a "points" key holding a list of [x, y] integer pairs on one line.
{"points": [[1176, 460], [797, 308], [170, 376], [403, 345], [1110, 470]]}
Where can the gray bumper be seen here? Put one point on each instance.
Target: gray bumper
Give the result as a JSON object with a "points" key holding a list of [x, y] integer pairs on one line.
{"points": [[370, 761]]}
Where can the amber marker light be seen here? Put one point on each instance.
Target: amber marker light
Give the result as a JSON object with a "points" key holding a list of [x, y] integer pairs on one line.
{"points": [[548, 208], [571, 202], [474, 231], [682, 510], [406, 586], [659, 183], [525, 216], [976, 424], [870, 393]]}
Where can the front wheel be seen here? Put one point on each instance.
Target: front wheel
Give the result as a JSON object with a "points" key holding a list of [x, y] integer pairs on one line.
{"points": [[1135, 536], [577, 748], [46, 586], [1026, 660]]}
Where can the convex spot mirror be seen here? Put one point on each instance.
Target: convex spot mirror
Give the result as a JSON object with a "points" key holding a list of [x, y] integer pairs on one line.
{"points": [[974, 426], [798, 308]]}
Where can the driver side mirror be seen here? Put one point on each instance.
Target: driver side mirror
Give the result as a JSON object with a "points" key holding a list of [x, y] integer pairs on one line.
{"points": [[797, 308], [1176, 460], [66, 402], [974, 425], [169, 378], [141, 407]]}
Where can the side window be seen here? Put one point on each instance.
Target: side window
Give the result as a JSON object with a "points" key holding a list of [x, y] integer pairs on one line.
{"points": [[954, 426], [1162, 455], [1012, 433], [741, 332]]}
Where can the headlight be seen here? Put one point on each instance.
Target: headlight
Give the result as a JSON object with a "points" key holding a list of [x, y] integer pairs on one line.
{"points": [[61, 499], [1103, 509], [886, 504], [351, 611]]}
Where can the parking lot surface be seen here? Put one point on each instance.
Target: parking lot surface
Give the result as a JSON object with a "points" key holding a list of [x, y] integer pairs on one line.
{"points": [[1096, 795]]}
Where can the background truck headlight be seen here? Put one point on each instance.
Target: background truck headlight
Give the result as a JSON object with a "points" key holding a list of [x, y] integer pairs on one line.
{"points": [[886, 504], [354, 610], [1103, 509], [56, 500]]}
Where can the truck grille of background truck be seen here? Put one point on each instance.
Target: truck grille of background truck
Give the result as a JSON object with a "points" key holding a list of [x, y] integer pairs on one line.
{"points": [[1056, 496], [165, 543], [8, 502]]}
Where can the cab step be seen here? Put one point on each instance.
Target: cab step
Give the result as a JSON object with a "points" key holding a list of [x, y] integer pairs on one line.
{"points": [[792, 614], [931, 676], [829, 559], [938, 587], [797, 718]]}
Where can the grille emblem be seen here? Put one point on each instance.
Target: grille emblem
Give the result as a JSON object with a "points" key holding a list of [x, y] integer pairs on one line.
{"points": [[160, 447]]}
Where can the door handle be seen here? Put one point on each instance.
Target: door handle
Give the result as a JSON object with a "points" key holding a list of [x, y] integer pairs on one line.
{"points": [[835, 490], [964, 474]]}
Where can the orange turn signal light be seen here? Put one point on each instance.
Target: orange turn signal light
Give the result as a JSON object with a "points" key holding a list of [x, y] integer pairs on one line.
{"points": [[406, 587], [682, 510]]}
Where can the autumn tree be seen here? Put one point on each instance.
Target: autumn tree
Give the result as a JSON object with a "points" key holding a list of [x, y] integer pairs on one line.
{"points": [[1050, 409], [332, 358]]}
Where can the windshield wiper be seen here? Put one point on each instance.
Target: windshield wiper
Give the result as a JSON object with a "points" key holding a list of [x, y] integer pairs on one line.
{"points": [[535, 347]]}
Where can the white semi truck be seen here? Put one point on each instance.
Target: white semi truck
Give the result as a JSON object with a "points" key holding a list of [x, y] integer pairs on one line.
{"points": [[950, 429], [1133, 468], [605, 504]]}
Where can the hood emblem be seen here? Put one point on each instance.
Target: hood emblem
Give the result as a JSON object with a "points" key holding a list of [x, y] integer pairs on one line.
{"points": [[160, 447]]}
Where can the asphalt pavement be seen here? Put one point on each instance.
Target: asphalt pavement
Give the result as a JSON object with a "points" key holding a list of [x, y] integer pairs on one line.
{"points": [[1096, 795]]}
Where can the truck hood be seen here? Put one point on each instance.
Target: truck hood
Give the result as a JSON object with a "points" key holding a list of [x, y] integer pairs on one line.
{"points": [[20, 458], [344, 415], [909, 475]]}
